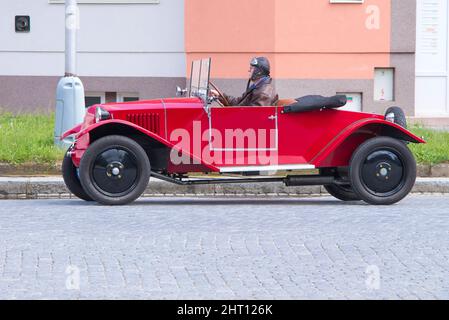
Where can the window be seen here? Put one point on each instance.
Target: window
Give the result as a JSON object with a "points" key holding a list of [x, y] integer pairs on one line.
{"points": [[127, 97], [109, 1], [384, 84], [93, 98], [354, 101]]}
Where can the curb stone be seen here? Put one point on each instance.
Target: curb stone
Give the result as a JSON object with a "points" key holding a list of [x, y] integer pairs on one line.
{"points": [[54, 188], [30, 169], [440, 170]]}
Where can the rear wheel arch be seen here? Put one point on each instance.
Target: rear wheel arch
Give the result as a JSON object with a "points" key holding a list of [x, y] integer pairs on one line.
{"points": [[342, 152]]}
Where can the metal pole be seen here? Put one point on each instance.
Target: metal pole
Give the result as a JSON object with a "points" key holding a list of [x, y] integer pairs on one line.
{"points": [[70, 106], [71, 25]]}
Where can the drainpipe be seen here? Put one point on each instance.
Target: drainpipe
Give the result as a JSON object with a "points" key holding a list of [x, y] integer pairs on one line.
{"points": [[70, 105]]}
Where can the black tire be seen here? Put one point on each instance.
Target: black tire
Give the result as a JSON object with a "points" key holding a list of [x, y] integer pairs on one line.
{"points": [[342, 192], [399, 116], [382, 171], [71, 180], [115, 170]]}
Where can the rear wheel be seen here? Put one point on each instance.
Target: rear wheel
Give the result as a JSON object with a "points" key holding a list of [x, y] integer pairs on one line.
{"points": [[71, 179], [342, 192], [115, 170], [382, 171]]}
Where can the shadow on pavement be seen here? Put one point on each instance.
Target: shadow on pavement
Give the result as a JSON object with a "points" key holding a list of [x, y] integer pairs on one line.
{"points": [[220, 202]]}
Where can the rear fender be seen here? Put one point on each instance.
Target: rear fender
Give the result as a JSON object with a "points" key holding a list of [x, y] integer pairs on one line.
{"points": [[339, 151]]}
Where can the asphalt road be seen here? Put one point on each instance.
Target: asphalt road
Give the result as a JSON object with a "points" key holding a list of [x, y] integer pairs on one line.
{"points": [[193, 248]]}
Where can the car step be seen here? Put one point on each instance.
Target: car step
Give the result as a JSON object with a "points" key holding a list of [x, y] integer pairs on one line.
{"points": [[289, 181]]}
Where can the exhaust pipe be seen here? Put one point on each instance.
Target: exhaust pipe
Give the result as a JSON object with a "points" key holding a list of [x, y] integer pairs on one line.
{"points": [[295, 181]]}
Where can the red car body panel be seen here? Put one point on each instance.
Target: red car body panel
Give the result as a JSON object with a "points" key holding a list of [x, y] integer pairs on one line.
{"points": [[72, 131], [325, 138], [339, 150]]}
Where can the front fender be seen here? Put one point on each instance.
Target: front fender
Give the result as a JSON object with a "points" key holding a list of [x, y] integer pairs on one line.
{"points": [[83, 139], [338, 152], [74, 130], [122, 122]]}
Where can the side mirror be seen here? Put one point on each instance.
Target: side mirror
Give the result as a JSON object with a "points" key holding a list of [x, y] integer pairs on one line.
{"points": [[180, 92]]}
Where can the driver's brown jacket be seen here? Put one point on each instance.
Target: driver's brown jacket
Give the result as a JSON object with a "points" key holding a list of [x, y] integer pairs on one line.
{"points": [[263, 95]]}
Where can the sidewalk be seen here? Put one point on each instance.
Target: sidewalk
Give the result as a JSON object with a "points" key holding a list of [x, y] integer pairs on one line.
{"points": [[54, 188]]}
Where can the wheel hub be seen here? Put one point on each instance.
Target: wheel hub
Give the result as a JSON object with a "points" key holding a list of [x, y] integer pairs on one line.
{"points": [[382, 172], [115, 171]]}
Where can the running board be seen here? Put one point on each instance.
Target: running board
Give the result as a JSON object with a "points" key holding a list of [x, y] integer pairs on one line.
{"points": [[289, 181], [281, 167]]}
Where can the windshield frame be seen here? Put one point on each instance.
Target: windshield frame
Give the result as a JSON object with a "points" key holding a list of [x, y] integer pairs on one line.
{"points": [[198, 78]]}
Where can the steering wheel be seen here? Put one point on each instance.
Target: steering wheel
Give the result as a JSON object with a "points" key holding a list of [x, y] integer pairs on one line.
{"points": [[222, 96]]}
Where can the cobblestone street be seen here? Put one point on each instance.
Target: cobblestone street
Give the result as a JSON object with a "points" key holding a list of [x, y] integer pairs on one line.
{"points": [[223, 248]]}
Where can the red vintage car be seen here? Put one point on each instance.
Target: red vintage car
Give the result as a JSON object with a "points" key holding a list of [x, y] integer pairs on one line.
{"points": [[307, 141]]}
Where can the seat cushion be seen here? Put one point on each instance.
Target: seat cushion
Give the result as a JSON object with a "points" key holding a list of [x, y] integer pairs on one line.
{"points": [[285, 102]]}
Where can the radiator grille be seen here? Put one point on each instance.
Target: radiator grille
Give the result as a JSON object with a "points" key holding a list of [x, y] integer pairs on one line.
{"points": [[149, 121]]}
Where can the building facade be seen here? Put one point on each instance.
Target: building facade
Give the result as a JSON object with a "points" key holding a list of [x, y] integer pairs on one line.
{"points": [[365, 49], [432, 62], [141, 49], [131, 49]]}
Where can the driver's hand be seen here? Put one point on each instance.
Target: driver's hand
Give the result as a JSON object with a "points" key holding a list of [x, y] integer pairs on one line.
{"points": [[214, 93]]}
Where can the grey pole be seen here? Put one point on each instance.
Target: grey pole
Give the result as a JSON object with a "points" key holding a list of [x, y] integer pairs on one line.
{"points": [[70, 105], [71, 24]]}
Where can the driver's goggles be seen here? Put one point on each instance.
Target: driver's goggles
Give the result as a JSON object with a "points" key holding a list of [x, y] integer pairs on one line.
{"points": [[254, 62]]}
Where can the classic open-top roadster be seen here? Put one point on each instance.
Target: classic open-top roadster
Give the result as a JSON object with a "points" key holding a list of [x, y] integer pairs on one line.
{"points": [[356, 156]]}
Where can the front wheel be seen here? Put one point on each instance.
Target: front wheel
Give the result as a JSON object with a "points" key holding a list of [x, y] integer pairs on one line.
{"points": [[115, 170], [382, 171], [71, 179]]}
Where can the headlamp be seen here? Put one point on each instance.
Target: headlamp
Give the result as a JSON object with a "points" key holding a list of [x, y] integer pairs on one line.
{"points": [[101, 115]]}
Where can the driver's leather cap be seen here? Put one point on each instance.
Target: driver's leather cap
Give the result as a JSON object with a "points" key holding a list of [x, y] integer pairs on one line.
{"points": [[262, 66]]}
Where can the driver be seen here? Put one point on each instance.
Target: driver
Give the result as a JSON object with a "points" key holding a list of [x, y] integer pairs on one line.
{"points": [[259, 91]]}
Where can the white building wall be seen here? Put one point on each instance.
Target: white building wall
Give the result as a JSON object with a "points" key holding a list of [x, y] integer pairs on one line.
{"points": [[141, 40], [432, 58]]}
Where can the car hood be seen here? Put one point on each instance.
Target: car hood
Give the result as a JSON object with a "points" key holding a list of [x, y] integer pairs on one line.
{"points": [[121, 110], [149, 104]]}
